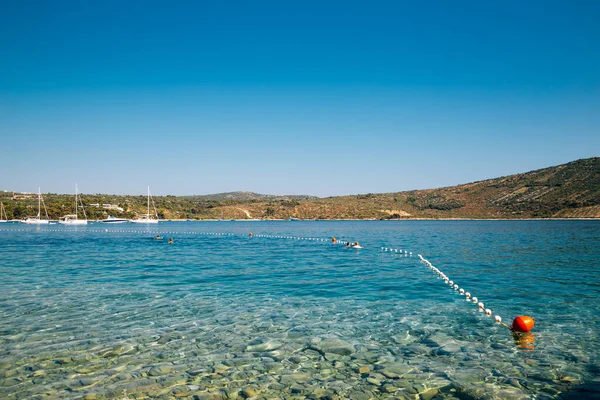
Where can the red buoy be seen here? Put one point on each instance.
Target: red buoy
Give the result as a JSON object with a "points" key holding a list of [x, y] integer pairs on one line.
{"points": [[522, 323], [251, 234]]}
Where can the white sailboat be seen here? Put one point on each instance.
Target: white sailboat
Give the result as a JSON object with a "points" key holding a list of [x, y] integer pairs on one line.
{"points": [[147, 218], [3, 216], [72, 219], [38, 220]]}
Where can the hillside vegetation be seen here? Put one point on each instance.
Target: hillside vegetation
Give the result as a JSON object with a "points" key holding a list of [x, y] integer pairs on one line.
{"points": [[570, 190]]}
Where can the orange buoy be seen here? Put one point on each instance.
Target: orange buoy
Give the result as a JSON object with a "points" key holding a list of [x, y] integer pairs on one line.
{"points": [[522, 323], [333, 240], [250, 233]]}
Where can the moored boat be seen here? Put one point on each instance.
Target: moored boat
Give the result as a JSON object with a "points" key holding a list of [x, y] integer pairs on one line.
{"points": [[147, 218], [37, 220], [113, 220], [72, 219]]}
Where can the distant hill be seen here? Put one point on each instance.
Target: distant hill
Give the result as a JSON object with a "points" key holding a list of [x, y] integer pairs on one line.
{"points": [[570, 190], [245, 196]]}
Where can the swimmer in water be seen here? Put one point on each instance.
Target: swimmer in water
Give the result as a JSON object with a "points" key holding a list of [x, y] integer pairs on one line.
{"points": [[357, 246], [347, 244], [170, 240], [158, 237]]}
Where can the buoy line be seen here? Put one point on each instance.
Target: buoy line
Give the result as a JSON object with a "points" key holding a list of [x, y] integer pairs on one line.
{"points": [[160, 232], [521, 323]]}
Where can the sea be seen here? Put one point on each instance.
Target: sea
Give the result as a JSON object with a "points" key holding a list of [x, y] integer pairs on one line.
{"points": [[279, 310]]}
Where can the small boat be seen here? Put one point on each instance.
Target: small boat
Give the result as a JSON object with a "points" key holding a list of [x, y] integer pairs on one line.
{"points": [[37, 220], [294, 219], [3, 216], [72, 219], [147, 218], [113, 220]]}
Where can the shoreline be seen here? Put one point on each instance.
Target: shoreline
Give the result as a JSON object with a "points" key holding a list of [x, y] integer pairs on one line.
{"points": [[384, 220], [350, 220]]}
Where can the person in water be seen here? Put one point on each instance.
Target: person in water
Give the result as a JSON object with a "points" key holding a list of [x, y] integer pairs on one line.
{"points": [[357, 246], [158, 237], [170, 240], [347, 244]]}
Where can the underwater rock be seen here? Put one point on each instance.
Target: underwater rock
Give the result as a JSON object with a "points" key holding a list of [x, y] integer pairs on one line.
{"points": [[335, 346], [364, 369], [369, 357], [160, 370], [395, 371], [428, 394], [360, 395], [449, 349], [293, 378], [249, 391], [437, 339], [262, 345], [374, 381]]}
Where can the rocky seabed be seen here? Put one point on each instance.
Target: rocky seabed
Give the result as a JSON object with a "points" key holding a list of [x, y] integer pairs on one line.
{"points": [[275, 352]]}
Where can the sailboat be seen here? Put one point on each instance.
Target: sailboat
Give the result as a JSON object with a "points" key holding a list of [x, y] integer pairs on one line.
{"points": [[3, 216], [72, 219], [37, 220], [147, 218]]}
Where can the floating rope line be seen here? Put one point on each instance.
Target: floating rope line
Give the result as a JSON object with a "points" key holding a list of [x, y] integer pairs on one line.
{"points": [[161, 232], [468, 297], [521, 324]]}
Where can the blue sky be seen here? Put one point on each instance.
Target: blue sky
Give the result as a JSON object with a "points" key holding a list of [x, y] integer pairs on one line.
{"points": [[323, 98]]}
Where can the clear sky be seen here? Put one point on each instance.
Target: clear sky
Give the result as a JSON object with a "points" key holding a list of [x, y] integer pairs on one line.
{"points": [[292, 97]]}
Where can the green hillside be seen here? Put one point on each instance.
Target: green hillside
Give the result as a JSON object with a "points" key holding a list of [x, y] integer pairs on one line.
{"points": [[570, 190]]}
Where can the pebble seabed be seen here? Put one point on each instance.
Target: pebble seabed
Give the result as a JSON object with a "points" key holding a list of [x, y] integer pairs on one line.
{"points": [[204, 346], [278, 351]]}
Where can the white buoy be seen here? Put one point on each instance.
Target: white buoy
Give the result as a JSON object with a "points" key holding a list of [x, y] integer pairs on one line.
{"points": [[498, 319], [468, 295], [462, 291], [480, 305], [455, 286], [488, 311], [475, 300]]}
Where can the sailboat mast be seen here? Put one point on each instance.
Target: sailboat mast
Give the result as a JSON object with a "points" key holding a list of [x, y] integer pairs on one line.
{"points": [[148, 213], [75, 201], [39, 202]]}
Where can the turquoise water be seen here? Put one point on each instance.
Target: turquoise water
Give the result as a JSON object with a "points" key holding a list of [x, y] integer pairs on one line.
{"points": [[108, 312]]}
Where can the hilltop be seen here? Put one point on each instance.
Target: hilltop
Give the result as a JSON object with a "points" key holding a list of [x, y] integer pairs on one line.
{"points": [[246, 196], [569, 190]]}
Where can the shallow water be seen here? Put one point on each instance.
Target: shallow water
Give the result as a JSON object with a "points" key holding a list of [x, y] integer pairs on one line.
{"points": [[108, 312]]}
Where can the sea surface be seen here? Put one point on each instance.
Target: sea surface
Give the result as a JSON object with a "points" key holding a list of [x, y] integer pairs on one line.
{"points": [[108, 312]]}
